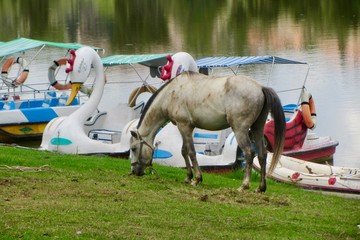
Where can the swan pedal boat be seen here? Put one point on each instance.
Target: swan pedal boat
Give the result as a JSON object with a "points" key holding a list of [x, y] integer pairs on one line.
{"points": [[88, 131], [26, 107], [314, 176]]}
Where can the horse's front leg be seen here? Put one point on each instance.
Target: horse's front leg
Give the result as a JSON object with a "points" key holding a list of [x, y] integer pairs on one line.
{"points": [[184, 153], [188, 151], [192, 155]]}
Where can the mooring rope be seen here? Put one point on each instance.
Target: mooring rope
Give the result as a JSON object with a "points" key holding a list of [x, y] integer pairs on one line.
{"points": [[25, 169]]}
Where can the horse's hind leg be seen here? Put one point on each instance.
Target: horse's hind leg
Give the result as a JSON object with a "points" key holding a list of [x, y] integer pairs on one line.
{"points": [[257, 130], [262, 155], [242, 137]]}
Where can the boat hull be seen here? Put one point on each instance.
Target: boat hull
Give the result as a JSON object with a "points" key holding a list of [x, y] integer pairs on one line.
{"points": [[21, 132], [28, 124], [314, 176]]}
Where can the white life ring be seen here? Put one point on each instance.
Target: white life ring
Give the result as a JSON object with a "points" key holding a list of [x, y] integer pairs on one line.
{"points": [[51, 75], [7, 66], [308, 110]]}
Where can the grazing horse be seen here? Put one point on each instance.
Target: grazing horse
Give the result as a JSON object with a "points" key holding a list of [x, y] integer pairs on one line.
{"points": [[213, 103]]}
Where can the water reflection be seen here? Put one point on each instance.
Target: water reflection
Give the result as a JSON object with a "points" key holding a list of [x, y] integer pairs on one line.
{"points": [[324, 33]]}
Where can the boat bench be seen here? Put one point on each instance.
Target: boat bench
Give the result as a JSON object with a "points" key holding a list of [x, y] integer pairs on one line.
{"points": [[105, 135]]}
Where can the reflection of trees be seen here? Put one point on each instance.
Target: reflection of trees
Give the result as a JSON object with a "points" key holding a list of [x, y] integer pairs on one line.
{"points": [[23, 18], [204, 26], [196, 21], [139, 24]]}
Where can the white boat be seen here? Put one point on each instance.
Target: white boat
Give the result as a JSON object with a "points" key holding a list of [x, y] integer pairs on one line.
{"points": [[313, 175], [26, 106], [168, 148]]}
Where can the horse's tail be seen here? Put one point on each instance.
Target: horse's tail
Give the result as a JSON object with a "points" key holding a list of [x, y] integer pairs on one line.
{"points": [[274, 105]]}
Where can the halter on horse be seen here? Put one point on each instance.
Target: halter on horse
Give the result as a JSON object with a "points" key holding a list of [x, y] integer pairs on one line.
{"points": [[213, 103]]}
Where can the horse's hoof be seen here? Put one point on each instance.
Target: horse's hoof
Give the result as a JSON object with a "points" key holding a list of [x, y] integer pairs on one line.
{"points": [[195, 183], [187, 181], [259, 190], [243, 188]]}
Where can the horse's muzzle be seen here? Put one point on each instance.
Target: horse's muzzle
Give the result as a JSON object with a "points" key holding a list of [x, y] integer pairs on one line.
{"points": [[137, 170]]}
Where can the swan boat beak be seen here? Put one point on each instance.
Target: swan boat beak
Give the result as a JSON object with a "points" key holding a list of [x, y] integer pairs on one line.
{"points": [[75, 87]]}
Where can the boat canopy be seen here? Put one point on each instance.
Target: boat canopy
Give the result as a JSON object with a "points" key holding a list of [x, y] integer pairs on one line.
{"points": [[23, 44], [234, 63], [211, 62], [153, 61], [150, 60]]}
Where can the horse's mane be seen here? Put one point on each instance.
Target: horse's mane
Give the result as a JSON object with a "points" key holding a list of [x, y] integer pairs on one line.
{"points": [[149, 102], [151, 99]]}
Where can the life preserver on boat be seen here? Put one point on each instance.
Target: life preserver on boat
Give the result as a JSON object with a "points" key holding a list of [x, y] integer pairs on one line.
{"points": [[7, 66], [51, 75], [137, 91], [308, 109]]}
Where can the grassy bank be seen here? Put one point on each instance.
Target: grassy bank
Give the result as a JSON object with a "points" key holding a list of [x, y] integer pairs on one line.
{"points": [[46, 195]]}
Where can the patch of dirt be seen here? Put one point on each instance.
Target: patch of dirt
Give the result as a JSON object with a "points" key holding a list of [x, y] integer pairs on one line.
{"points": [[232, 196]]}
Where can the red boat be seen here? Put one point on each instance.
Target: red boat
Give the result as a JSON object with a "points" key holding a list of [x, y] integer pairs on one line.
{"points": [[300, 142]]}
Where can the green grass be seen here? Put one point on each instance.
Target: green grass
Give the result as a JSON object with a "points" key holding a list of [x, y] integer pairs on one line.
{"points": [[89, 197]]}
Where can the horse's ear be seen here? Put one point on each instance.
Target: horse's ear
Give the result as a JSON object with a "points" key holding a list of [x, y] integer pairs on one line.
{"points": [[134, 134]]}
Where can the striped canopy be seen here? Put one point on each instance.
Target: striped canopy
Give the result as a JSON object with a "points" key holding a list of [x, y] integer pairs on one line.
{"points": [[150, 60], [23, 44], [153, 61], [211, 62]]}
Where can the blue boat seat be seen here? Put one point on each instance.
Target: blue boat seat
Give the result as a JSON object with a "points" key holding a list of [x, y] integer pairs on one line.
{"points": [[51, 102], [9, 105], [31, 104]]}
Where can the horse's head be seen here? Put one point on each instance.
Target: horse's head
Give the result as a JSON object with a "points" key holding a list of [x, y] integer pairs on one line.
{"points": [[79, 69], [178, 63], [141, 153]]}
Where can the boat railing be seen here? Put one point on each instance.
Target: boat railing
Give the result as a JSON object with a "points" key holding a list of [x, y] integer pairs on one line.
{"points": [[33, 96]]}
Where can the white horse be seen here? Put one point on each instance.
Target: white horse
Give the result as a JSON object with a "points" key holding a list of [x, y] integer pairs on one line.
{"points": [[213, 103]]}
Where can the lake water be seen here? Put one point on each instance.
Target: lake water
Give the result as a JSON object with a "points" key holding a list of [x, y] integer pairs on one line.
{"points": [[323, 33]]}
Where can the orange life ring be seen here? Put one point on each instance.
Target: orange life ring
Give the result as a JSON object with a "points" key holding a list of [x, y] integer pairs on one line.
{"points": [[137, 91], [51, 75], [7, 66], [309, 113]]}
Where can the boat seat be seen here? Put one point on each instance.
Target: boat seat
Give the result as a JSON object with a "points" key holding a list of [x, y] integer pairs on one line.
{"points": [[295, 134], [9, 105], [105, 135], [50, 102], [62, 101], [31, 104], [290, 107]]}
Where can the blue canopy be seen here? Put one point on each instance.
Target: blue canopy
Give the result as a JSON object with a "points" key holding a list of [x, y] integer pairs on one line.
{"points": [[211, 62]]}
